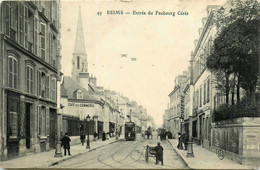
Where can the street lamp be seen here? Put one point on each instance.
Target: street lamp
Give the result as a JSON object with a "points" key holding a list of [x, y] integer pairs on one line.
{"points": [[88, 120]]}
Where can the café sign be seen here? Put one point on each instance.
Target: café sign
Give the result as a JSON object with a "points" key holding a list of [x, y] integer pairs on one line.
{"points": [[80, 104]]}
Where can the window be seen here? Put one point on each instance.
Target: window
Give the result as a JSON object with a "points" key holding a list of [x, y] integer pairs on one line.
{"points": [[6, 13], [36, 36], [53, 89], [47, 87], [13, 118], [200, 96], [79, 95], [13, 125], [21, 23], [208, 90], [51, 48], [43, 42], [78, 62], [204, 93], [12, 72], [42, 84], [26, 27], [30, 79], [42, 121]]}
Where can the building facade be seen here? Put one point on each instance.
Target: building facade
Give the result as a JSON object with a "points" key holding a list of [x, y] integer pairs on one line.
{"points": [[29, 40]]}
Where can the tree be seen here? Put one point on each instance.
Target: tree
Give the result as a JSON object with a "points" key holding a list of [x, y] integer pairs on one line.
{"points": [[235, 53]]}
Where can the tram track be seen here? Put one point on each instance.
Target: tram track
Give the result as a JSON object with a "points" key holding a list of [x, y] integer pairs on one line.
{"points": [[124, 154]]}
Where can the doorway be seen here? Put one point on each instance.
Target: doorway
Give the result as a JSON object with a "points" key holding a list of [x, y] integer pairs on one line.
{"points": [[53, 128]]}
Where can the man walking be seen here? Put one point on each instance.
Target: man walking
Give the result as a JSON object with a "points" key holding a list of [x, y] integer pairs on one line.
{"points": [[95, 136], [159, 153], [82, 138], [65, 142]]}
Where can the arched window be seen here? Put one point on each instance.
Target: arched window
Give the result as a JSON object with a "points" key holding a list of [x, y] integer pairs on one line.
{"points": [[29, 79], [12, 72], [78, 62]]}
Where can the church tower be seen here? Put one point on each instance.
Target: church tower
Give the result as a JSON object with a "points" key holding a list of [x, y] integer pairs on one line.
{"points": [[79, 62]]}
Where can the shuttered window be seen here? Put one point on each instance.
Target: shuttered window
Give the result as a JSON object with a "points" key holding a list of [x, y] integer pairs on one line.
{"points": [[35, 46], [47, 87], [7, 10], [30, 79], [43, 41], [26, 27]]}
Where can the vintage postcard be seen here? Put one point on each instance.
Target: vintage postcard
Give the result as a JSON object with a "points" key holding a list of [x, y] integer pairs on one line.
{"points": [[129, 84]]}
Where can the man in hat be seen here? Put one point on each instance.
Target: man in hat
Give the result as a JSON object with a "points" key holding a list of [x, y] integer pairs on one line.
{"points": [[159, 153], [65, 142]]}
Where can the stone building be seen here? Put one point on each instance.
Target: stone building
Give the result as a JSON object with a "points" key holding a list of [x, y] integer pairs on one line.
{"points": [[175, 113], [29, 41]]}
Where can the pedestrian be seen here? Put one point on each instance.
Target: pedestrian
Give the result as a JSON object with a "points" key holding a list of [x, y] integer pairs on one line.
{"points": [[185, 140], [179, 146], [95, 136], [82, 138], [103, 136], [159, 153], [65, 142]]}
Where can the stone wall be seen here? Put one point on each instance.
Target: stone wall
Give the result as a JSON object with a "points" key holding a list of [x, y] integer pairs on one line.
{"points": [[240, 138]]}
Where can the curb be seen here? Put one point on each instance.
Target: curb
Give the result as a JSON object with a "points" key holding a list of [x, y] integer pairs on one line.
{"points": [[186, 162], [62, 160]]}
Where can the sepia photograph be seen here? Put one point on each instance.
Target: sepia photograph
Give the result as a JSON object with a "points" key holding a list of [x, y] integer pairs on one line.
{"points": [[130, 84]]}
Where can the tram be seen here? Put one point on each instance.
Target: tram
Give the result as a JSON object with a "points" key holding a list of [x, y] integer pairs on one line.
{"points": [[130, 131]]}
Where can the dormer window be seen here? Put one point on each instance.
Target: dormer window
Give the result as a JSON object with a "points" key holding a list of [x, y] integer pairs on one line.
{"points": [[79, 94]]}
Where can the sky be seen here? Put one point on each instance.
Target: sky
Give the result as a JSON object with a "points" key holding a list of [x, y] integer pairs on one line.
{"points": [[161, 44]]}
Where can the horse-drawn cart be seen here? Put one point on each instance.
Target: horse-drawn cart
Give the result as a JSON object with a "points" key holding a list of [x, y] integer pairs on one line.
{"points": [[150, 152]]}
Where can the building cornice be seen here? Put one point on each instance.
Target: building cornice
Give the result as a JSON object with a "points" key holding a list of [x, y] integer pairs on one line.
{"points": [[203, 33], [86, 101]]}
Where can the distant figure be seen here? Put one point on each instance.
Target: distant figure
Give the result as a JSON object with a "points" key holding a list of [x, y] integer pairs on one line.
{"points": [[65, 142], [169, 135], [179, 146], [185, 140], [159, 153], [103, 136], [82, 138], [95, 136], [108, 135]]}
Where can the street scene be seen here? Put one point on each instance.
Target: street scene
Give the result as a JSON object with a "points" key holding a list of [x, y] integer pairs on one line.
{"points": [[125, 155], [130, 84]]}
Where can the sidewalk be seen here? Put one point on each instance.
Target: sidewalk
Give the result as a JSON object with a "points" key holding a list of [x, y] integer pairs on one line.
{"points": [[46, 159], [205, 159]]}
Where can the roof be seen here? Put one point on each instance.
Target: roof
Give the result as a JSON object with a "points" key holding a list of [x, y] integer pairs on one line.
{"points": [[71, 86], [79, 43], [63, 91], [93, 87], [174, 90]]}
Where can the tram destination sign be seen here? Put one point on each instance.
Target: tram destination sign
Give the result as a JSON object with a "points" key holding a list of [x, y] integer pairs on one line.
{"points": [[80, 104]]}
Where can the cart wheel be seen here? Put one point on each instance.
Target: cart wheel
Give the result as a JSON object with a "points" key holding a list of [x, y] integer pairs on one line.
{"points": [[146, 156]]}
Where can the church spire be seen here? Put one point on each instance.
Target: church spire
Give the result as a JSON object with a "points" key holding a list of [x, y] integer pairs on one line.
{"points": [[79, 43]]}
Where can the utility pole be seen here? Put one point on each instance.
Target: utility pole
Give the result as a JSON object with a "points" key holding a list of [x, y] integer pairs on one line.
{"points": [[190, 147], [58, 145]]}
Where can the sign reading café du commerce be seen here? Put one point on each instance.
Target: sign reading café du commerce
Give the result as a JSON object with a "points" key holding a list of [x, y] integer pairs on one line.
{"points": [[72, 104]]}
